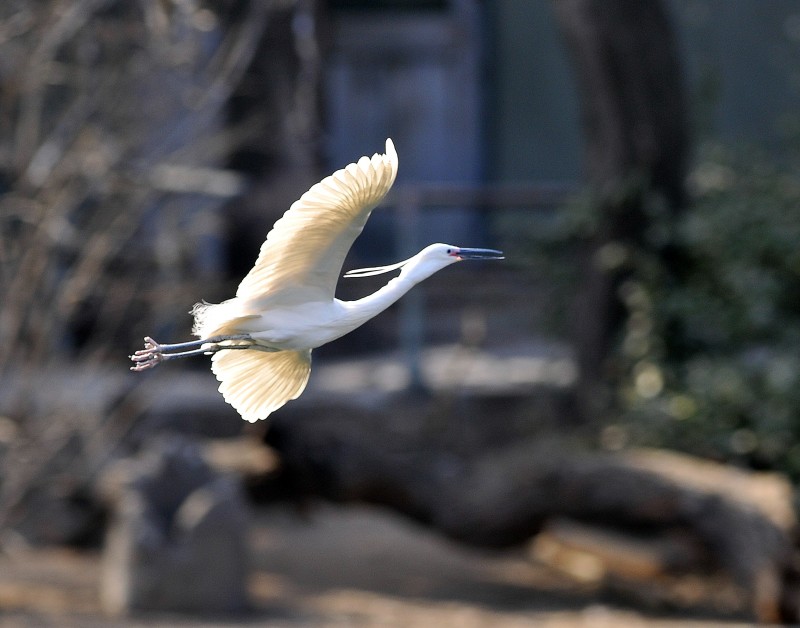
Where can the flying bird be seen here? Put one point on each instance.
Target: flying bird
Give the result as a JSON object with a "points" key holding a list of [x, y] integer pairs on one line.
{"points": [[261, 339]]}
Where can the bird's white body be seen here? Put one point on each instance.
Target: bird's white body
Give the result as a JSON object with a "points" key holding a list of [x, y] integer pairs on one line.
{"points": [[293, 327], [282, 327], [262, 338], [302, 327]]}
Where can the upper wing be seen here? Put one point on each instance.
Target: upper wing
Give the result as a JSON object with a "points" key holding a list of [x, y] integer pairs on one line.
{"points": [[306, 248]]}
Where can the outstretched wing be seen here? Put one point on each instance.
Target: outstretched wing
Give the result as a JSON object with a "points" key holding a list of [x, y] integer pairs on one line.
{"points": [[302, 256], [257, 383]]}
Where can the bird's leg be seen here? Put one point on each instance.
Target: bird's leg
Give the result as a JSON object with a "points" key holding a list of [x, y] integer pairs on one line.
{"points": [[155, 353]]}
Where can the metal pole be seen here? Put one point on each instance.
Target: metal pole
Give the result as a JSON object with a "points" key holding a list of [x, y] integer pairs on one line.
{"points": [[412, 306]]}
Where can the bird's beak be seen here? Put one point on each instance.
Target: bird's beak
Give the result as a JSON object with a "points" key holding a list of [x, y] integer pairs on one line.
{"points": [[479, 254]]}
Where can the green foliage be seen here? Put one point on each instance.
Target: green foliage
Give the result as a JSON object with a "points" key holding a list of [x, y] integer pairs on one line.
{"points": [[710, 353]]}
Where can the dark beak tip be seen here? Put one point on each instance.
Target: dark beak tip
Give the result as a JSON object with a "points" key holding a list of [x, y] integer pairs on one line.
{"points": [[481, 254]]}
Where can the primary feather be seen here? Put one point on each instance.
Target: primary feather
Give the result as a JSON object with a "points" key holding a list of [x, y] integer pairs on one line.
{"points": [[307, 246]]}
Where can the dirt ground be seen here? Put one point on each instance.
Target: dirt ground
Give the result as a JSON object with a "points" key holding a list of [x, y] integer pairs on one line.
{"points": [[338, 566]]}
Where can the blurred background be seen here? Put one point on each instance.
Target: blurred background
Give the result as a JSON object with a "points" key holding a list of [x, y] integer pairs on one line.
{"points": [[606, 424]]}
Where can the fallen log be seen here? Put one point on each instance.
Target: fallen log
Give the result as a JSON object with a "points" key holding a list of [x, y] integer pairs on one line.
{"points": [[727, 520]]}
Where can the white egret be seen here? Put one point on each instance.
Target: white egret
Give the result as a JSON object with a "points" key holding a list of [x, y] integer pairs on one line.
{"points": [[261, 339]]}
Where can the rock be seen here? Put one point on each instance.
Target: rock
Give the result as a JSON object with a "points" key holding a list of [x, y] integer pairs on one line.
{"points": [[177, 538]]}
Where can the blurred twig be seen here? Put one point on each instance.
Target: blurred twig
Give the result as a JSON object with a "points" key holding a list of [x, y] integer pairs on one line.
{"points": [[113, 141]]}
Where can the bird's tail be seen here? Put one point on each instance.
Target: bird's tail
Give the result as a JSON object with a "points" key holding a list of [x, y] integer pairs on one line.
{"points": [[256, 383], [218, 319]]}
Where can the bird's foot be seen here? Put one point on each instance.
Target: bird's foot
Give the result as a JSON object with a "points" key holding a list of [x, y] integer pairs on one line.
{"points": [[151, 356], [155, 353]]}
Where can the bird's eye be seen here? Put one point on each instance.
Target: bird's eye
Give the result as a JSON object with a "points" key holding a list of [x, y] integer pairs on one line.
{"points": [[449, 251]]}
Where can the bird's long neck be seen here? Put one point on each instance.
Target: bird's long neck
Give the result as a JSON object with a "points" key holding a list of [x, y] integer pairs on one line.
{"points": [[366, 308], [375, 303]]}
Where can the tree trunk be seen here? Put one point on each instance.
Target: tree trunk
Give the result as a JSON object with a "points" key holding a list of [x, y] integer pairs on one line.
{"points": [[633, 116]]}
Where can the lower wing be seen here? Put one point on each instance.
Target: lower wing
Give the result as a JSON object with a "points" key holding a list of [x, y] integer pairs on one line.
{"points": [[256, 383]]}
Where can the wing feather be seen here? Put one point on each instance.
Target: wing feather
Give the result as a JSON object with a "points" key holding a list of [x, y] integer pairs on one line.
{"points": [[256, 383], [306, 248]]}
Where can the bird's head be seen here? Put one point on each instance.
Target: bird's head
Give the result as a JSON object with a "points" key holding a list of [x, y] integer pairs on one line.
{"points": [[437, 256], [428, 261]]}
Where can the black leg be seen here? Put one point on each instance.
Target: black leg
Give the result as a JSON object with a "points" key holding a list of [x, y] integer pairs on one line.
{"points": [[155, 353]]}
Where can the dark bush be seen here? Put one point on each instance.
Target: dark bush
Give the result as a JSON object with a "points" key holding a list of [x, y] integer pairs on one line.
{"points": [[710, 354]]}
